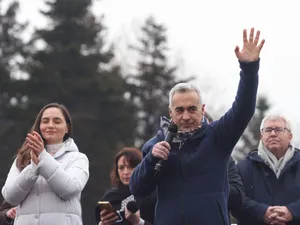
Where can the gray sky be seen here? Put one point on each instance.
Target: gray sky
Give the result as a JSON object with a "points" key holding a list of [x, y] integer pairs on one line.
{"points": [[202, 36]]}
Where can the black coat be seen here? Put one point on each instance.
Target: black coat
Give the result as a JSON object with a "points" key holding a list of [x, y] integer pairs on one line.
{"points": [[264, 189], [236, 187], [117, 195]]}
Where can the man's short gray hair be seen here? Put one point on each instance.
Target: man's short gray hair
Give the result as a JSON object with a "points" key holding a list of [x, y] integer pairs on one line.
{"points": [[288, 124], [182, 88]]}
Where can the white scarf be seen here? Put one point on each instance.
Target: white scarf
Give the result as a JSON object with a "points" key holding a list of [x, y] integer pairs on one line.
{"points": [[52, 149], [270, 159]]}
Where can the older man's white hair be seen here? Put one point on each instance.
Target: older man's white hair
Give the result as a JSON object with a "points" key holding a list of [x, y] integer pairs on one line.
{"points": [[288, 125], [182, 88]]}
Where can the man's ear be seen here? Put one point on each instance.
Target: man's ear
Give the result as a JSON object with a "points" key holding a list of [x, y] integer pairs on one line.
{"points": [[170, 112], [203, 108], [290, 136]]}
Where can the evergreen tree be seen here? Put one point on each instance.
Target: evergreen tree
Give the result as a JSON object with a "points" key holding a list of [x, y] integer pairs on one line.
{"points": [[154, 78], [76, 67], [250, 138], [11, 51]]}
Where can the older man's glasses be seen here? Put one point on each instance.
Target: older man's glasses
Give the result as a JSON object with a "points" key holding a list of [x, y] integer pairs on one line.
{"points": [[277, 130]]}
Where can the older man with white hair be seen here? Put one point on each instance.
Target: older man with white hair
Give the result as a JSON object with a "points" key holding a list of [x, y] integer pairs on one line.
{"points": [[271, 177]]}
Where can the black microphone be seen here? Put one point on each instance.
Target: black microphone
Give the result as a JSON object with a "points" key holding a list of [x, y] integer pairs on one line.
{"points": [[132, 207], [172, 131]]}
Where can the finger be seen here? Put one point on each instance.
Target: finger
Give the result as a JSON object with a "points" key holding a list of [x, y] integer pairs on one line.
{"points": [[160, 156], [273, 215], [281, 219], [110, 214], [160, 151], [251, 35], [279, 211], [38, 136], [237, 51], [256, 37], [34, 139], [245, 40], [35, 150], [110, 217], [31, 142], [35, 144], [32, 147], [165, 145], [261, 45], [29, 138], [271, 208], [103, 212], [161, 148], [11, 214]]}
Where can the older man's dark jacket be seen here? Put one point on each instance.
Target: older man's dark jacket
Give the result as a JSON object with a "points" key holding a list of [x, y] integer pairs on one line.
{"points": [[264, 189]]}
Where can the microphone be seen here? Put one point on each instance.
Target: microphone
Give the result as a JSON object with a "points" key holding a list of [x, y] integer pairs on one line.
{"points": [[132, 207], [172, 130]]}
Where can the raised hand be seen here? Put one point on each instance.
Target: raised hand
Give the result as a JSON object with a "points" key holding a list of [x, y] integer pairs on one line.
{"points": [[251, 49]]}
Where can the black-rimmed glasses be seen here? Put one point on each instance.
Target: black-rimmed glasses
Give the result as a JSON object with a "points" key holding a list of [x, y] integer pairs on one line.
{"points": [[277, 130]]}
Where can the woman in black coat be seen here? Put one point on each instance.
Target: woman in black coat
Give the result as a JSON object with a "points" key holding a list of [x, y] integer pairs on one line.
{"points": [[119, 195]]}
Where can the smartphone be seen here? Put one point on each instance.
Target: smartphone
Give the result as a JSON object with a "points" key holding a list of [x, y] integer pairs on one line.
{"points": [[106, 205]]}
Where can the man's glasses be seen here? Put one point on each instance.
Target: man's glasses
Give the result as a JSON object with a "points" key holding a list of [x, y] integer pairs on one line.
{"points": [[277, 130]]}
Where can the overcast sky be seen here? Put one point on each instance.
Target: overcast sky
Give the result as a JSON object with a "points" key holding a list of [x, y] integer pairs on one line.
{"points": [[202, 36]]}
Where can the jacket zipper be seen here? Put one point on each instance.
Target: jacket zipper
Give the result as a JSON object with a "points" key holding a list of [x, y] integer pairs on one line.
{"points": [[181, 175]]}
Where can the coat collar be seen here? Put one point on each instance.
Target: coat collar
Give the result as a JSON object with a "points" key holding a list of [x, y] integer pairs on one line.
{"points": [[253, 156]]}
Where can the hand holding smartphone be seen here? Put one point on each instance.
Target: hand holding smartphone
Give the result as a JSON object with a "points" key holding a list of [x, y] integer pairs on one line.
{"points": [[109, 209], [106, 205]]}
